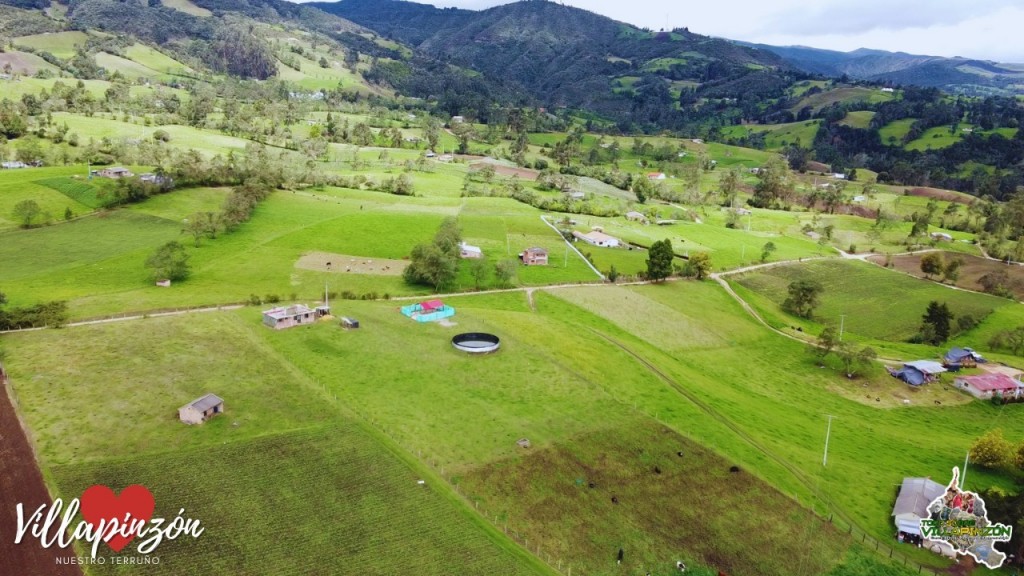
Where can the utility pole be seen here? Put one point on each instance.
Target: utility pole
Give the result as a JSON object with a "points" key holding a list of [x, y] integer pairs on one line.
{"points": [[963, 473], [842, 322], [828, 432]]}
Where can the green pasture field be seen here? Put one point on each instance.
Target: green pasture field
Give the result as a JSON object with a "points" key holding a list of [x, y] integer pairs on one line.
{"points": [[844, 94], [894, 132], [24, 63], [780, 404], [187, 7], [155, 59], [60, 44], [92, 264], [21, 184], [330, 498], [878, 303], [98, 88], [800, 88], [344, 495], [859, 119], [936, 138], [779, 135], [182, 137], [82, 191]]}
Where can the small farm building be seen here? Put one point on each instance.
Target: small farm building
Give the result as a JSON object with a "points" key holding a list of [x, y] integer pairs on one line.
{"points": [[428, 311], [988, 385], [114, 172], [286, 317], [634, 216], [469, 251], [201, 409], [656, 176], [915, 495], [534, 257], [596, 238]]}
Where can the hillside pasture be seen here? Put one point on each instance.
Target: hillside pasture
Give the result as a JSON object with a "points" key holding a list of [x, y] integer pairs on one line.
{"points": [[894, 132], [842, 94], [973, 268], [19, 185], [343, 263], [60, 44], [187, 7], [24, 63], [78, 190], [330, 500], [860, 119], [877, 303], [778, 135]]}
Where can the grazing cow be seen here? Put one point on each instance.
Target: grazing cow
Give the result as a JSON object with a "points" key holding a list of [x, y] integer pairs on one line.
{"points": [[734, 469], [619, 559], [615, 500], [680, 566], [657, 470]]}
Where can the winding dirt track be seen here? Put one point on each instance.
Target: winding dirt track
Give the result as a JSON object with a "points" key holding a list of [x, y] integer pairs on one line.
{"points": [[21, 481]]}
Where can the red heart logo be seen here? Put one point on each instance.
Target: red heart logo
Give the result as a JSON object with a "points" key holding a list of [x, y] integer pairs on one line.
{"points": [[100, 504]]}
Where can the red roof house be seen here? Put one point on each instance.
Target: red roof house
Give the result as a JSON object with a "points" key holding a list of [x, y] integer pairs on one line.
{"points": [[988, 385]]}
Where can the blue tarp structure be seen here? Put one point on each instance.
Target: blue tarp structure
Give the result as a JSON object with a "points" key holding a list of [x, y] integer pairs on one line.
{"points": [[958, 355], [910, 375]]}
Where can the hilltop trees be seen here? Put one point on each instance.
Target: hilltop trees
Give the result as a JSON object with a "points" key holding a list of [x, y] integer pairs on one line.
{"points": [[935, 328], [991, 450], [803, 297], [169, 262], [774, 188], [26, 212], [437, 263], [659, 260]]}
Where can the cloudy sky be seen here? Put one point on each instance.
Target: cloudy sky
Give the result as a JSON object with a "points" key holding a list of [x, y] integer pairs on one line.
{"points": [[986, 29]]}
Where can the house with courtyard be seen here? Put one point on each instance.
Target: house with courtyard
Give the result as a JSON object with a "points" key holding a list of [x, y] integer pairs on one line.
{"points": [[201, 409]]}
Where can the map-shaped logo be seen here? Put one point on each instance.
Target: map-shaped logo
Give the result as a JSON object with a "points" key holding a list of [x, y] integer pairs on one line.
{"points": [[959, 518]]}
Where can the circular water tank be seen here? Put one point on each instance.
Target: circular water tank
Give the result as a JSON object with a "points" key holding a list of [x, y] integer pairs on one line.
{"points": [[476, 342]]}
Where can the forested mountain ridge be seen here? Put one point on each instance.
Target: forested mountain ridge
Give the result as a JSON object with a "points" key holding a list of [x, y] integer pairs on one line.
{"points": [[565, 56], [954, 75]]}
